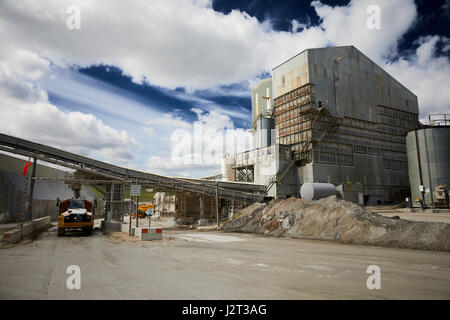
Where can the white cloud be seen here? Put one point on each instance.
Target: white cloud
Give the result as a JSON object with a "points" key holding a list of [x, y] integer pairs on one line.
{"points": [[73, 131], [27, 113], [197, 150], [165, 166], [167, 43], [346, 25], [214, 120], [16, 70], [25, 63], [92, 95], [297, 26], [170, 120], [426, 76], [208, 105], [185, 43]]}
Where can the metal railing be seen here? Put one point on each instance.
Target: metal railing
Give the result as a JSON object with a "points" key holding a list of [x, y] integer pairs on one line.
{"points": [[439, 119]]}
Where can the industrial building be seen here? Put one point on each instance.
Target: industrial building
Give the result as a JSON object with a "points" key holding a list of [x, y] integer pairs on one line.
{"points": [[329, 115], [326, 115], [190, 200]]}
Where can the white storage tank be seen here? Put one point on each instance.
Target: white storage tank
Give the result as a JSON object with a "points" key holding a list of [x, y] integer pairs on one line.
{"points": [[228, 172], [314, 191]]}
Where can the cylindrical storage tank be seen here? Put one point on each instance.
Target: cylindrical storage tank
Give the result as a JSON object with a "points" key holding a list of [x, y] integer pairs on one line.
{"points": [[228, 172], [314, 191], [429, 147], [264, 127]]}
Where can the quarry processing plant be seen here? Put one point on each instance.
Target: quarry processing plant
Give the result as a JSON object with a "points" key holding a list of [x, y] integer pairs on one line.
{"points": [[329, 115], [326, 115]]}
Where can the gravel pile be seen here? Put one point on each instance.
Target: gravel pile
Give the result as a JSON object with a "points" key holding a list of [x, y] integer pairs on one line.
{"points": [[338, 220]]}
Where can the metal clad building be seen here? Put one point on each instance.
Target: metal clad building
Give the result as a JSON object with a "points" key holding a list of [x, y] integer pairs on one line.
{"points": [[343, 120], [346, 119]]}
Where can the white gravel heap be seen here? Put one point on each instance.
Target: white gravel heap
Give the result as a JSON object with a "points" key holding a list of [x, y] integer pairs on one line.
{"points": [[338, 220]]}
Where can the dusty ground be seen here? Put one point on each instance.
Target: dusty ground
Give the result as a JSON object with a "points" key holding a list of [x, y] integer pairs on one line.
{"points": [[338, 220], [217, 265], [122, 237], [390, 211]]}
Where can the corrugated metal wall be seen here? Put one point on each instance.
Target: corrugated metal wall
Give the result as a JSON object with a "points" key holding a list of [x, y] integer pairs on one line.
{"points": [[375, 113], [433, 153]]}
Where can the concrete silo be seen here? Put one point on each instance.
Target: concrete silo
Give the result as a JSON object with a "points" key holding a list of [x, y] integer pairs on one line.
{"points": [[428, 151]]}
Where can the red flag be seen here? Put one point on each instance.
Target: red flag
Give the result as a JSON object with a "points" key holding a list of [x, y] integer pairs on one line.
{"points": [[27, 165]]}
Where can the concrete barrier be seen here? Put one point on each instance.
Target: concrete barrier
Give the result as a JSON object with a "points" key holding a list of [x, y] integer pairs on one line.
{"points": [[203, 222], [147, 234], [125, 227], [11, 236], [29, 228], [41, 223], [143, 233]]}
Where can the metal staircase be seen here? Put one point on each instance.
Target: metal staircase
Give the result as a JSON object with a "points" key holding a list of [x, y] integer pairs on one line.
{"points": [[317, 114], [276, 179]]}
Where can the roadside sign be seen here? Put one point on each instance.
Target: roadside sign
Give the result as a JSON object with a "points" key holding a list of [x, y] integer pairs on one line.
{"points": [[135, 190]]}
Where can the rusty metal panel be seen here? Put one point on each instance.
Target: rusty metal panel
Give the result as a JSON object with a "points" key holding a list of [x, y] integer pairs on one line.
{"points": [[290, 74]]}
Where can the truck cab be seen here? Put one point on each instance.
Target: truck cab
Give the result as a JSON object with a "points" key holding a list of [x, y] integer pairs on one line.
{"points": [[75, 214]]}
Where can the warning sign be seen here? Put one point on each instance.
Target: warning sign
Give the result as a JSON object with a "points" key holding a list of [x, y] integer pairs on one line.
{"points": [[135, 190]]}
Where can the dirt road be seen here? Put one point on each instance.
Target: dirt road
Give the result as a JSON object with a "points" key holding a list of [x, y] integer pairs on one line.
{"points": [[213, 265]]}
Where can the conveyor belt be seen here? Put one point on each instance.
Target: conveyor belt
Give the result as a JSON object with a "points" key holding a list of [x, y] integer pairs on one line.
{"points": [[230, 191]]}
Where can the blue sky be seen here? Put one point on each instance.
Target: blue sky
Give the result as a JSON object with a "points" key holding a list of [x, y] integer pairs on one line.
{"points": [[133, 75]]}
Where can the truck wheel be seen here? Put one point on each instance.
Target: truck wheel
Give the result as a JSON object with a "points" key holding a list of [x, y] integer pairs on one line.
{"points": [[61, 232], [88, 231]]}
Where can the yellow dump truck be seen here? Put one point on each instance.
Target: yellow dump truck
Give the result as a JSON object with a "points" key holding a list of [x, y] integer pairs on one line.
{"points": [[75, 214], [143, 209]]}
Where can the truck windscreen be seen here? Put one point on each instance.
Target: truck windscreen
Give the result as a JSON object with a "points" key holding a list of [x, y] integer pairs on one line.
{"points": [[76, 204]]}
